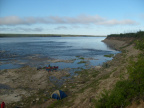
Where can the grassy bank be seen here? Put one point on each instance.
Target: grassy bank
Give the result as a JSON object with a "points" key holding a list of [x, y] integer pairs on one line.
{"points": [[128, 90]]}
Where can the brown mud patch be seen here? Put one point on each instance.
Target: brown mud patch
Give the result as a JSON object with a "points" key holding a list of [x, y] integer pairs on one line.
{"points": [[25, 81]]}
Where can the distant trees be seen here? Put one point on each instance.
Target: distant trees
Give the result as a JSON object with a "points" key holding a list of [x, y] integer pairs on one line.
{"points": [[136, 35]]}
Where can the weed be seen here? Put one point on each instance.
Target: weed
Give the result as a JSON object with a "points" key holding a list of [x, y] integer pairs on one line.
{"points": [[125, 90], [81, 62], [110, 55]]}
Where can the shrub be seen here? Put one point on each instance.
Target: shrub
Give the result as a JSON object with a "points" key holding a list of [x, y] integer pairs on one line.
{"points": [[125, 90]]}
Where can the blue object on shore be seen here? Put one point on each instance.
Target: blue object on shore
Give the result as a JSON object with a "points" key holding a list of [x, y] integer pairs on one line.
{"points": [[58, 94]]}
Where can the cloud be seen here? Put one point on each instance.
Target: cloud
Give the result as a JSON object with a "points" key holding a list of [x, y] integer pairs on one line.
{"points": [[116, 22], [81, 19], [61, 27], [142, 16], [18, 29]]}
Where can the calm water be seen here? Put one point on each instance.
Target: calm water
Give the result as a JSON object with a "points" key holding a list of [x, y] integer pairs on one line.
{"points": [[34, 51]]}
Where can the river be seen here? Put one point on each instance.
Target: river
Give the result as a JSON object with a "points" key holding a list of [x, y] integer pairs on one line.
{"points": [[16, 52]]}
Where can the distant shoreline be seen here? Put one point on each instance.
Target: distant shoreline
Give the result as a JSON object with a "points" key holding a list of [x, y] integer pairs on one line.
{"points": [[45, 35]]}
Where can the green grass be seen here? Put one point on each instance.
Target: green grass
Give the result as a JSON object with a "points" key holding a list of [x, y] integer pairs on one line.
{"points": [[60, 103], [110, 55], [81, 62], [140, 44], [81, 58]]}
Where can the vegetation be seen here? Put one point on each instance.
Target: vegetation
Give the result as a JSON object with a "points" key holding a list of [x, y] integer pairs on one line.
{"points": [[140, 44], [135, 35], [127, 90], [81, 62], [110, 55]]}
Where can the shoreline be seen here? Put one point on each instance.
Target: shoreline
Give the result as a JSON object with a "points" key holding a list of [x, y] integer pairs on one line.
{"points": [[83, 80], [46, 35]]}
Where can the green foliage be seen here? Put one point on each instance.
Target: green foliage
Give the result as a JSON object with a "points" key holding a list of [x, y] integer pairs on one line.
{"points": [[81, 58], [136, 73], [135, 35], [140, 44], [125, 90], [110, 55], [81, 62]]}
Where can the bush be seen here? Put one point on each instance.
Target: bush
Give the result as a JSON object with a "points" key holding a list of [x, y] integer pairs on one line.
{"points": [[125, 90], [140, 44]]}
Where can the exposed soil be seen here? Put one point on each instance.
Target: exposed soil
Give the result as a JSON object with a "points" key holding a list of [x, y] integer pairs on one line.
{"points": [[23, 82]]}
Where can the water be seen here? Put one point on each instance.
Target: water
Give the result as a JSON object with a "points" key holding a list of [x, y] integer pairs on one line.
{"points": [[16, 52]]}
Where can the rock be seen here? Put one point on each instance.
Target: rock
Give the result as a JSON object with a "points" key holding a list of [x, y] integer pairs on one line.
{"points": [[33, 101], [37, 99]]}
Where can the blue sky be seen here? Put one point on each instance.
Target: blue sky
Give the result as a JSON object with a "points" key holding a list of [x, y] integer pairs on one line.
{"points": [[82, 17]]}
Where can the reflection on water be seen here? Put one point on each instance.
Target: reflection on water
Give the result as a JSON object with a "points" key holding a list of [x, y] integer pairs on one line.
{"points": [[19, 51]]}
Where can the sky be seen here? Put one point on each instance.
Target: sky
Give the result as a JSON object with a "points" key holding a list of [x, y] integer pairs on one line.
{"points": [[77, 17]]}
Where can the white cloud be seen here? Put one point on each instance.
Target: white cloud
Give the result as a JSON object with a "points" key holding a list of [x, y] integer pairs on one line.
{"points": [[21, 29], [116, 22], [81, 19], [61, 27]]}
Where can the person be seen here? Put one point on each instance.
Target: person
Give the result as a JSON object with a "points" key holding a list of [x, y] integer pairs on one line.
{"points": [[3, 105], [48, 68]]}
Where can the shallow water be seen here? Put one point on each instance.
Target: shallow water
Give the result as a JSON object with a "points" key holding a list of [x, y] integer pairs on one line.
{"points": [[16, 52]]}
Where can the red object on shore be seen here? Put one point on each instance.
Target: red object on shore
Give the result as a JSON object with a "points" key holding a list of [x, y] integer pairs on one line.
{"points": [[3, 105], [51, 68]]}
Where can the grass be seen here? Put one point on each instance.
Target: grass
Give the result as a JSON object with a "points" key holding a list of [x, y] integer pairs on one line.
{"points": [[60, 103], [81, 58], [81, 62], [126, 90], [105, 65], [110, 55]]}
